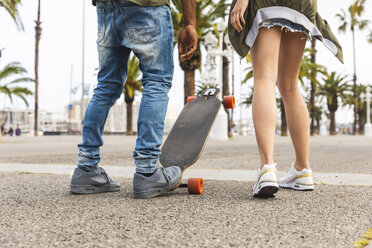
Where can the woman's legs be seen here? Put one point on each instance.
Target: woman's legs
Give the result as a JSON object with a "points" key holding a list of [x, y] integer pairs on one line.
{"points": [[265, 57], [291, 52]]}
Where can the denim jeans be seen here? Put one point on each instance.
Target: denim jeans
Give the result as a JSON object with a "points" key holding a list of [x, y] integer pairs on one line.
{"points": [[147, 31]]}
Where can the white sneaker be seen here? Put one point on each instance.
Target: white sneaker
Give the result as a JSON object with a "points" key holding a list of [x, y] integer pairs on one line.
{"points": [[298, 180], [267, 182]]}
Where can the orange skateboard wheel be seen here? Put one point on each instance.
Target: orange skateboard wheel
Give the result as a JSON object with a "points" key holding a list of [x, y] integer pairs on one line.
{"points": [[228, 102], [195, 186], [191, 98]]}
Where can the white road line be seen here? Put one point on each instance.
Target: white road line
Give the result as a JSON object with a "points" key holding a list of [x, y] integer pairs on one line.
{"points": [[206, 174]]}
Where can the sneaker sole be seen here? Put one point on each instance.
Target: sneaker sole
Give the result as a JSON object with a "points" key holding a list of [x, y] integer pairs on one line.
{"points": [[88, 189], [295, 186], [267, 190]]}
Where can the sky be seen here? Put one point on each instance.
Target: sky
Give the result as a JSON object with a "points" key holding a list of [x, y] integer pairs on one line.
{"points": [[61, 51]]}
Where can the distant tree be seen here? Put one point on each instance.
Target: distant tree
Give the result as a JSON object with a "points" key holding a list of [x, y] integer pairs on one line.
{"points": [[334, 86], [362, 108], [9, 87], [132, 84], [353, 21], [37, 43]]}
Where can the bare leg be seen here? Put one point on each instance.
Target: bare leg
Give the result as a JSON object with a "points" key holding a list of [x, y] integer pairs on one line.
{"points": [[291, 51], [265, 56]]}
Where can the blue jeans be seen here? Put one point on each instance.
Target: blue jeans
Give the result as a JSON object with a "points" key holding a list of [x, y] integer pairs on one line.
{"points": [[147, 31]]}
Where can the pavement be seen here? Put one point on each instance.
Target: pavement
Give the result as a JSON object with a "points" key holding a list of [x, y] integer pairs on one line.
{"points": [[339, 154], [38, 211], [356, 179]]}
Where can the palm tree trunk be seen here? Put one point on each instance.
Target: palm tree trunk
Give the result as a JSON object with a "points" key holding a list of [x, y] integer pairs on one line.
{"points": [[189, 86], [317, 126], [283, 129], [312, 91], [362, 118], [37, 42], [332, 128], [354, 86], [129, 118]]}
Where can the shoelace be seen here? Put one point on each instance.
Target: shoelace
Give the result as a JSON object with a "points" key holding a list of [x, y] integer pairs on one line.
{"points": [[166, 175], [103, 172]]}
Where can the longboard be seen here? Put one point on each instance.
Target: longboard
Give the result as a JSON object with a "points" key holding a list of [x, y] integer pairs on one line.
{"points": [[189, 134]]}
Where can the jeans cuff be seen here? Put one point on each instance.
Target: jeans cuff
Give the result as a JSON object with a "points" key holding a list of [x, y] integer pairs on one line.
{"points": [[88, 168], [146, 165]]}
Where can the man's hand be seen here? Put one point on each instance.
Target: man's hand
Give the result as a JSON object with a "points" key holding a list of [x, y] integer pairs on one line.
{"points": [[237, 14], [187, 42]]}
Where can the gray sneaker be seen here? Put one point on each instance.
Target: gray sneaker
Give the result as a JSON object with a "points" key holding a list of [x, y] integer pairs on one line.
{"points": [[83, 182], [163, 180]]}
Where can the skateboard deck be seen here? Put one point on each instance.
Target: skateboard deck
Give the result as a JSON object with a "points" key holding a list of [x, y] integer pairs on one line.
{"points": [[190, 132]]}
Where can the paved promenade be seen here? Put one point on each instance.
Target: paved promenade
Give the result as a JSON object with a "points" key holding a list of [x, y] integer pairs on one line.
{"points": [[38, 211]]}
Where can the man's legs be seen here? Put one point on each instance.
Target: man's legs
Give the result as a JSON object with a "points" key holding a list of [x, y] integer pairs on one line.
{"points": [[113, 69], [149, 33], [113, 62]]}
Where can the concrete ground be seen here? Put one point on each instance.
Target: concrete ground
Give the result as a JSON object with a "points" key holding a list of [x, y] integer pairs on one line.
{"points": [[38, 211]]}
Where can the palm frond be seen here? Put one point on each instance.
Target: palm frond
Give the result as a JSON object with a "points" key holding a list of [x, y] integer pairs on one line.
{"points": [[12, 69], [21, 95], [7, 91], [11, 6], [22, 80]]}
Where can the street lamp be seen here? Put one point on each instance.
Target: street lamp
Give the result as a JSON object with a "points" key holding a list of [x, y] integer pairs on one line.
{"points": [[219, 131], [368, 125], [221, 26]]}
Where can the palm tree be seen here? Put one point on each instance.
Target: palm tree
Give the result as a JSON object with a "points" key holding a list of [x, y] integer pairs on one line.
{"points": [[10, 88], [206, 11], [352, 21], [37, 42], [11, 6], [362, 108], [132, 85], [335, 86]]}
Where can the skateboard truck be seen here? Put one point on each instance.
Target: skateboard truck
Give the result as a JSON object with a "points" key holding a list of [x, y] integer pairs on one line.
{"points": [[210, 92], [227, 101]]}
